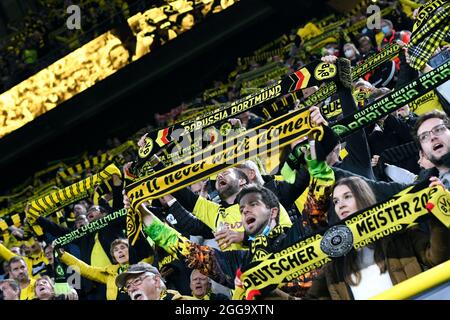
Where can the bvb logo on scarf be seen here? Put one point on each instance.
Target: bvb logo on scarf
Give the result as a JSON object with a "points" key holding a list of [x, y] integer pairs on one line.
{"points": [[134, 222], [146, 149], [325, 71]]}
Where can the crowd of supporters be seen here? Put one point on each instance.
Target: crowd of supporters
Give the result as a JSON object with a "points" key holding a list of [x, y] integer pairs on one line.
{"points": [[197, 242], [124, 33], [42, 36]]}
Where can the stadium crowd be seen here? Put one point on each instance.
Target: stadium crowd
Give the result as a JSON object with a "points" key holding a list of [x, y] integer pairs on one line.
{"points": [[200, 241]]}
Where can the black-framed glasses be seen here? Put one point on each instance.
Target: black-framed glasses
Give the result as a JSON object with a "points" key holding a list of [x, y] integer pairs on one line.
{"points": [[437, 131]]}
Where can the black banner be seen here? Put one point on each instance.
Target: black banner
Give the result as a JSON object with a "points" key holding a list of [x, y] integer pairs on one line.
{"points": [[393, 101]]}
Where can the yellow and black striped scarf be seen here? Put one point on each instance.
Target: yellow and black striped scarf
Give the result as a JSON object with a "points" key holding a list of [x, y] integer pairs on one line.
{"points": [[431, 28], [58, 199]]}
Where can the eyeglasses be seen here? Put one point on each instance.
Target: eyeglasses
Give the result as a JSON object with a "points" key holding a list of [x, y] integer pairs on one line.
{"points": [[437, 131], [136, 282]]}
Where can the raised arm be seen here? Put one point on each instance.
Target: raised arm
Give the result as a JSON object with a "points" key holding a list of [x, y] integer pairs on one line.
{"points": [[187, 223], [219, 266], [98, 274], [5, 253]]}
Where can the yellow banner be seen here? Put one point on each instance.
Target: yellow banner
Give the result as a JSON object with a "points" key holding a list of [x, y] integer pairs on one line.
{"points": [[267, 137], [358, 230]]}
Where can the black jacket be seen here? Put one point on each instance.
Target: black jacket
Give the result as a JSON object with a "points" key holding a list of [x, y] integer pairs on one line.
{"points": [[188, 224], [86, 244], [358, 159], [287, 193], [226, 263], [383, 190]]}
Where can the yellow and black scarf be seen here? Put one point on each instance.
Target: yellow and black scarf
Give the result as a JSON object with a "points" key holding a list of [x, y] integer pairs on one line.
{"points": [[359, 230], [61, 198], [432, 26]]}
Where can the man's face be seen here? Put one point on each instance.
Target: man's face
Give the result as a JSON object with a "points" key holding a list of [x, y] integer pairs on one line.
{"points": [[19, 271], [144, 286], [199, 284], [254, 213], [79, 209], [365, 46], [49, 254], [227, 183], [81, 221], [435, 146], [8, 292], [94, 215]]}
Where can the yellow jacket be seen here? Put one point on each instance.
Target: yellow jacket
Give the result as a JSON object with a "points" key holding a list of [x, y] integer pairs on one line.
{"points": [[106, 275], [215, 216], [35, 263], [28, 292]]}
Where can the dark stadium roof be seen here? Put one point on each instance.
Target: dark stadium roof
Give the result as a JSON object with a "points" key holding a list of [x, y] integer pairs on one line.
{"points": [[127, 100]]}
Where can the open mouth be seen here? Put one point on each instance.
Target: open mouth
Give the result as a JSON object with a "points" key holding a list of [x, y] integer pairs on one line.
{"points": [[437, 146], [41, 289], [121, 256], [222, 183], [250, 220], [344, 214], [137, 296]]}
